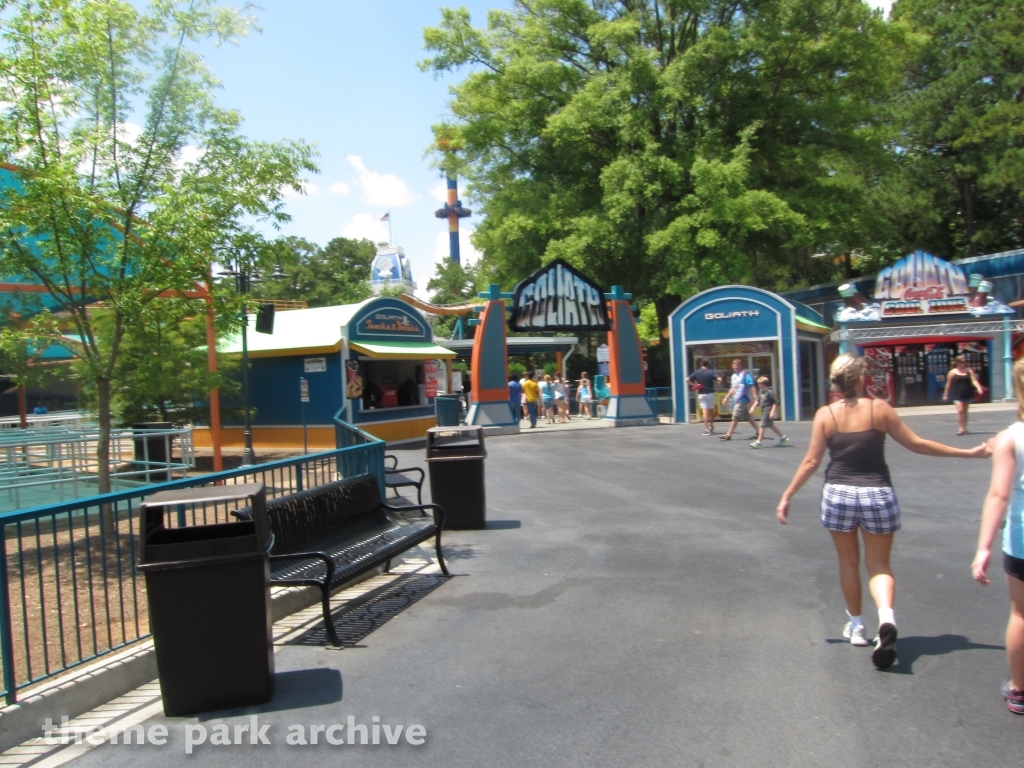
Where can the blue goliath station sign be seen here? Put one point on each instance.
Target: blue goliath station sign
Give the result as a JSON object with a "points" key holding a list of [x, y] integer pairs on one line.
{"points": [[733, 321]]}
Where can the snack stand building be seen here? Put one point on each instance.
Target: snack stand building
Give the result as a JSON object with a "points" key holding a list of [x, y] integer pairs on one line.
{"points": [[374, 362], [771, 336], [924, 311]]}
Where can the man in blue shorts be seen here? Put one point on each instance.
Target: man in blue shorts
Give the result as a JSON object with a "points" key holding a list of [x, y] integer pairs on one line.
{"points": [[742, 393]]}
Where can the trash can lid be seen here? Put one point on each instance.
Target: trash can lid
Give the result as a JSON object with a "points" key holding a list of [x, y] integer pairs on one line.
{"points": [[214, 493]]}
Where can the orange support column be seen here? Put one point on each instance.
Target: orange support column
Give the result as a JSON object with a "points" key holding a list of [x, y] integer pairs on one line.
{"points": [[628, 404], [211, 363], [490, 406]]}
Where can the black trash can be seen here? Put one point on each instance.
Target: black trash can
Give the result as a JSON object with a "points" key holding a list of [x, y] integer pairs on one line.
{"points": [[455, 458], [209, 601], [152, 450]]}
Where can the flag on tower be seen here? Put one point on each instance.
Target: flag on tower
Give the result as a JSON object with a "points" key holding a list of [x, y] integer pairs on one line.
{"points": [[385, 216]]}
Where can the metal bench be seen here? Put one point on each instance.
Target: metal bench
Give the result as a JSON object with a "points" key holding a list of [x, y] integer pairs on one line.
{"points": [[328, 535], [396, 478]]}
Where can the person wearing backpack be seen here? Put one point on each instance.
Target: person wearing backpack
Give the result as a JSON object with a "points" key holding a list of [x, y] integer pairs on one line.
{"points": [[742, 395]]}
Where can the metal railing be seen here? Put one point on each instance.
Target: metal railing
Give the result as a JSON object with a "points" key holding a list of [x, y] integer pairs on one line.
{"points": [[69, 588], [660, 400], [57, 419], [57, 464]]}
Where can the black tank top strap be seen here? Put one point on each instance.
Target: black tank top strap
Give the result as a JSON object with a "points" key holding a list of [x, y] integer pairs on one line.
{"points": [[833, 414]]}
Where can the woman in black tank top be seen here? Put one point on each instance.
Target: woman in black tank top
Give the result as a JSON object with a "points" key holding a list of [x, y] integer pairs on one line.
{"points": [[858, 494]]}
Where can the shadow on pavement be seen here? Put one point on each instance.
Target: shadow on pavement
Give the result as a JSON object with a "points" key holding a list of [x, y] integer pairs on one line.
{"points": [[354, 625], [910, 649], [296, 689]]}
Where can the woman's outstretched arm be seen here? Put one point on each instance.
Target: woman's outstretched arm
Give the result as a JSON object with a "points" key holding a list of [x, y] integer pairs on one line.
{"points": [[808, 465], [905, 436]]}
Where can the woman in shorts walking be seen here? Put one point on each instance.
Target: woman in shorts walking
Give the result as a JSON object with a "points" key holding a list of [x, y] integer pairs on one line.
{"points": [[858, 494], [584, 394], [1006, 491], [961, 386]]}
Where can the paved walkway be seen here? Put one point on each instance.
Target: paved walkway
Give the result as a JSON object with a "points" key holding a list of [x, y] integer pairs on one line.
{"points": [[634, 603]]}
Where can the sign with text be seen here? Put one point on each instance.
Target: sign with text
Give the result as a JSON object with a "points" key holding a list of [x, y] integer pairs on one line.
{"points": [[430, 377], [315, 365], [303, 391], [388, 319], [557, 297], [922, 284]]}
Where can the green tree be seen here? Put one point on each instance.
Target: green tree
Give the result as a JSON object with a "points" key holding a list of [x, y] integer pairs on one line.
{"points": [[21, 350], [107, 210], [162, 372], [453, 284], [338, 273], [586, 128], [959, 128]]}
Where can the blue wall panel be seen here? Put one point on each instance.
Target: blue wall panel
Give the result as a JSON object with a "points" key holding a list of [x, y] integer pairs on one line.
{"points": [[274, 391]]}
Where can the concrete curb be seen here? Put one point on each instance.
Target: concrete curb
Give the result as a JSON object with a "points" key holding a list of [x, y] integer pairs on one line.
{"points": [[118, 673]]}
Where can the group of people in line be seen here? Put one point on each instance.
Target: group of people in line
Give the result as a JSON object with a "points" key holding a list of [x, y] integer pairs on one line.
{"points": [[859, 505], [528, 398]]}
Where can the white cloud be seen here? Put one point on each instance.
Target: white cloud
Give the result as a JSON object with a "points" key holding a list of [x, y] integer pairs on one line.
{"points": [[381, 189], [440, 191], [128, 132], [365, 225], [885, 5], [339, 188], [468, 254], [188, 155], [308, 188]]}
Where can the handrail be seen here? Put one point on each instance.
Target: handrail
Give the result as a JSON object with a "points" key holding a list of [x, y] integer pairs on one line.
{"points": [[347, 434], [70, 589]]}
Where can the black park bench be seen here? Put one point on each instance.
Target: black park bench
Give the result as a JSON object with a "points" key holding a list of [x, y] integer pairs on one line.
{"points": [[330, 534], [396, 477]]}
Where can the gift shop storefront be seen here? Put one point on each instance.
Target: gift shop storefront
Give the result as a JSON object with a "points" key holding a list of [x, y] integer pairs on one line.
{"points": [[924, 312], [770, 336]]}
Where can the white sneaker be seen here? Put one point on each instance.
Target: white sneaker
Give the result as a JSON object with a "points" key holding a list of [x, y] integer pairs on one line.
{"points": [[855, 634]]}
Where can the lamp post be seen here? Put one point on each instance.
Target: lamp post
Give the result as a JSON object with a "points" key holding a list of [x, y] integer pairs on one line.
{"points": [[246, 276]]}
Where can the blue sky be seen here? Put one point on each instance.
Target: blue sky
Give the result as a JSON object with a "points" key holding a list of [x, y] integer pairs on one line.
{"points": [[342, 74]]}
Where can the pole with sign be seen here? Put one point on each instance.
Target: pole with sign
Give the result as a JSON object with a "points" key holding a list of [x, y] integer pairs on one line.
{"points": [[303, 399]]}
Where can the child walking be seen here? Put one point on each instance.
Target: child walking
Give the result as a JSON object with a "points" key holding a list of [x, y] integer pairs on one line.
{"points": [[1006, 497], [769, 402]]}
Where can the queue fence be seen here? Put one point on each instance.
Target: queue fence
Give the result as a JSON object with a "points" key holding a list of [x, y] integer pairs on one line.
{"points": [[70, 590]]}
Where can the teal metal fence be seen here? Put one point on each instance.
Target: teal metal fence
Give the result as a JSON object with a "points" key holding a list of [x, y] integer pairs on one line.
{"points": [[69, 588], [660, 399]]}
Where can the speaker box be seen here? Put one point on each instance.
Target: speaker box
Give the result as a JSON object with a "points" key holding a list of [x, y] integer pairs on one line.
{"points": [[265, 319]]}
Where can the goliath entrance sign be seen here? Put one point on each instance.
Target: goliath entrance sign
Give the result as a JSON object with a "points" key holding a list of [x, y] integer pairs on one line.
{"points": [[558, 298]]}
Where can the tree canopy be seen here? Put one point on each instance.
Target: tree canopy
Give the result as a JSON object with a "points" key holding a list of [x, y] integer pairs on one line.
{"points": [[338, 273], [125, 178], [672, 145]]}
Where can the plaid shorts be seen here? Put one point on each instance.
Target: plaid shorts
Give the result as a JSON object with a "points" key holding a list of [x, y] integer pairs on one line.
{"points": [[844, 507]]}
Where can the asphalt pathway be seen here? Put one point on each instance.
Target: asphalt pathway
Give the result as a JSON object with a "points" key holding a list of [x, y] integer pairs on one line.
{"points": [[635, 603]]}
